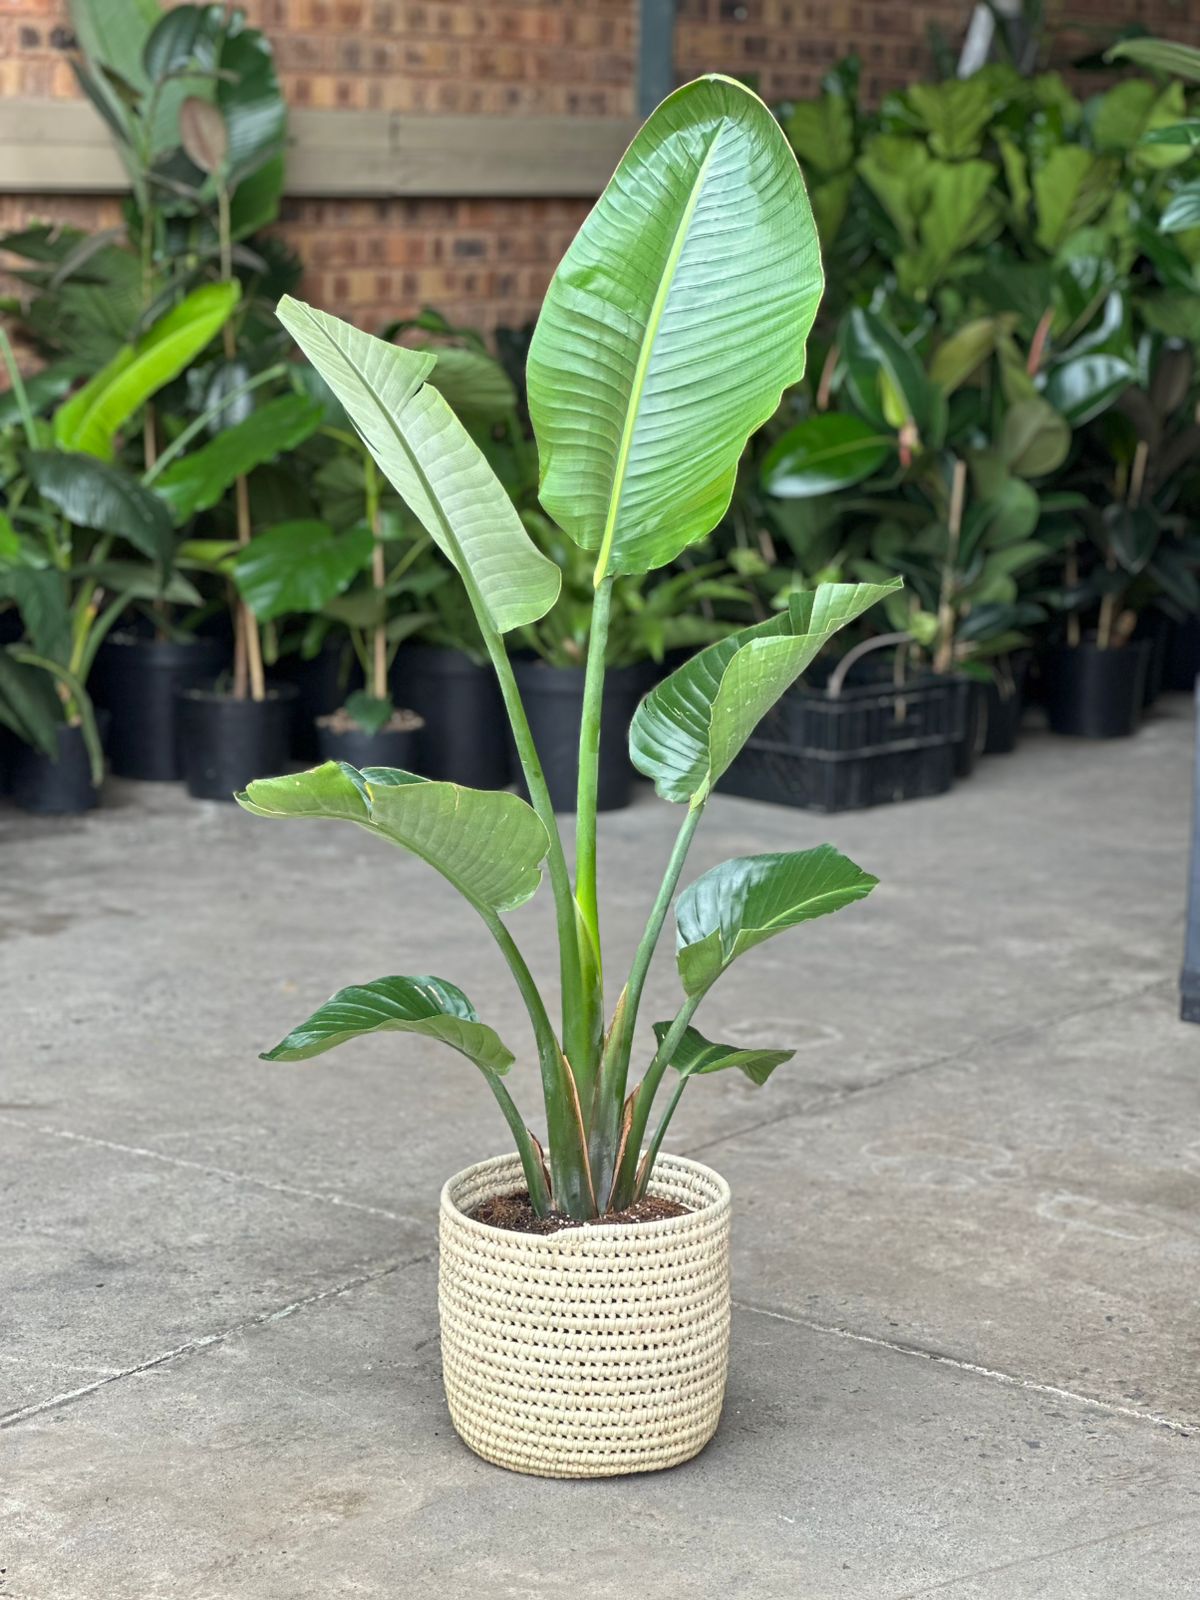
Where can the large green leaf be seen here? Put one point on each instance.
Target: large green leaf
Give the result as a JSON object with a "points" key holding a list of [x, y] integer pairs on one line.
{"points": [[197, 481], [694, 1054], [673, 324], [92, 417], [489, 844], [742, 902], [1071, 186], [690, 727], [432, 462], [299, 566], [954, 113], [1082, 388], [1034, 439], [40, 595], [92, 494], [822, 454], [428, 1006]]}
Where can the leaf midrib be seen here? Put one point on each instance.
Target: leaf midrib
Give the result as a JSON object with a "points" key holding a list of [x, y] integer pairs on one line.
{"points": [[640, 371]]}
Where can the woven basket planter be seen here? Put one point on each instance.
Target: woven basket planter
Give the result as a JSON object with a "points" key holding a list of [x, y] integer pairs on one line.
{"points": [[591, 1352]]}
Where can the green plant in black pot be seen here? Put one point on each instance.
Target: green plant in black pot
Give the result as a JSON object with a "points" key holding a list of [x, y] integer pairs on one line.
{"points": [[653, 617], [81, 538]]}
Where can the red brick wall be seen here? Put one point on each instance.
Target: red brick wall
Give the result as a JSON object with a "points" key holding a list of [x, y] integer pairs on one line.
{"points": [[487, 261]]}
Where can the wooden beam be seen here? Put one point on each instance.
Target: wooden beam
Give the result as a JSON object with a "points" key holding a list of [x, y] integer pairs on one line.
{"points": [[62, 147]]}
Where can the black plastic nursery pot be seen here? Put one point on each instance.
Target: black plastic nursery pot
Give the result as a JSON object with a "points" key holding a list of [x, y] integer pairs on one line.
{"points": [[1154, 627], [1005, 699], [1181, 666], [871, 745], [61, 788], [391, 747], [320, 685], [226, 743], [1093, 693], [553, 698], [465, 737], [137, 679], [971, 708]]}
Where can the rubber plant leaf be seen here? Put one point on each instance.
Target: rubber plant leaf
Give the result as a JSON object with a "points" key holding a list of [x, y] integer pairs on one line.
{"points": [[690, 727], [695, 1054], [197, 481], [747, 900], [824, 453], [675, 320], [489, 844], [91, 419], [93, 494], [432, 462], [427, 1006]]}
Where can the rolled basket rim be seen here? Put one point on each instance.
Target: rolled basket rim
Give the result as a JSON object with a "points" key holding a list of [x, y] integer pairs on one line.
{"points": [[571, 1238]]}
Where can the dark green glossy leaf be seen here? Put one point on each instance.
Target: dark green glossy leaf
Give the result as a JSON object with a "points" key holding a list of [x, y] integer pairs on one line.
{"points": [[1081, 389], [299, 566], [822, 454], [430, 1007], [489, 844], [886, 380], [745, 901], [694, 1054], [690, 727], [92, 494]]}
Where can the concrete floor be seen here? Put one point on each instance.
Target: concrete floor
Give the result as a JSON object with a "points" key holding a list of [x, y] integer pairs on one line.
{"points": [[967, 1233]]}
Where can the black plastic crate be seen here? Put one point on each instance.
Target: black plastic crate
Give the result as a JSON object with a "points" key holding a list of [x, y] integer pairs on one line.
{"points": [[870, 746]]}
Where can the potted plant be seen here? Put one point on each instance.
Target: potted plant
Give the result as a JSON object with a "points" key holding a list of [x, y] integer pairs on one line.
{"points": [[156, 76], [584, 1279], [80, 539]]}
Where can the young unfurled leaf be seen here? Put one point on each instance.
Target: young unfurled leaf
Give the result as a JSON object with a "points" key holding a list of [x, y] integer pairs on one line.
{"points": [[694, 1054], [489, 844], [690, 727], [744, 901], [428, 1006], [432, 462], [92, 417], [673, 324]]}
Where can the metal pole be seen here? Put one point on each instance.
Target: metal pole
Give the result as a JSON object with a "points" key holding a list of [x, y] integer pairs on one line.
{"points": [[656, 52]]}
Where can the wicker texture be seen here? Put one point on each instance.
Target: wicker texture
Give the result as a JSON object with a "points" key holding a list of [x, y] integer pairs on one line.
{"points": [[590, 1352]]}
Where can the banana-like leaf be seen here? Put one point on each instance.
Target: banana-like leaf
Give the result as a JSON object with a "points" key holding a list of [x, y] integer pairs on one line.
{"points": [[428, 1006], [695, 1054], [744, 901], [673, 324], [198, 480], [432, 462], [299, 566], [92, 417], [92, 494], [690, 727], [489, 844]]}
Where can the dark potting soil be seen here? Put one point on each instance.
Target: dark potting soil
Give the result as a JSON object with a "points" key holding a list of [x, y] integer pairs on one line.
{"points": [[400, 721], [515, 1214]]}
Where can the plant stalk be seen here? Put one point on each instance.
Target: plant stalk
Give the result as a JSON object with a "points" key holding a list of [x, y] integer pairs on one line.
{"points": [[585, 834], [614, 1063], [624, 1182], [379, 666]]}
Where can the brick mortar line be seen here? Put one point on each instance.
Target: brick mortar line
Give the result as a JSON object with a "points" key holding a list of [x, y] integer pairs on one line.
{"points": [[840, 1097], [973, 1368], [206, 1341]]}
